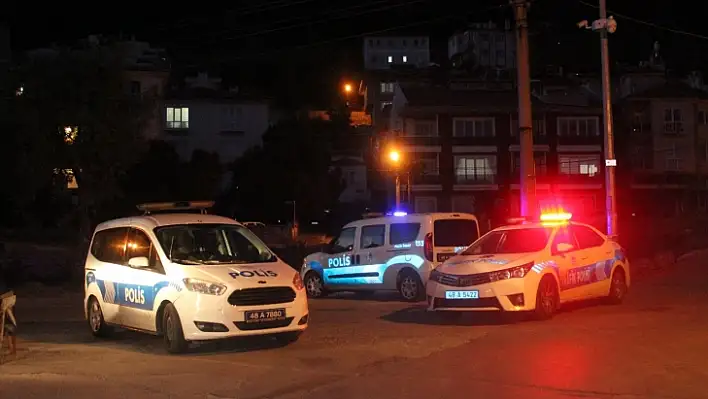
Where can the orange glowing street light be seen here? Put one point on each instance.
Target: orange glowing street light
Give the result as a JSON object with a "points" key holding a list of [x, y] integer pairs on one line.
{"points": [[394, 156], [347, 88]]}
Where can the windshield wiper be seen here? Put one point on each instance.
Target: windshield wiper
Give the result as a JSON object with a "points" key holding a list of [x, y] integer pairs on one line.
{"points": [[187, 261]]}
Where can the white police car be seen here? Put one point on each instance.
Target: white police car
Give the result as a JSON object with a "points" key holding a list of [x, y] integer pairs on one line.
{"points": [[531, 267], [189, 277], [395, 252]]}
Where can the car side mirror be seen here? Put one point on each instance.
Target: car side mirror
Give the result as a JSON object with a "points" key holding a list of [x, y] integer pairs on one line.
{"points": [[564, 247], [139, 262]]}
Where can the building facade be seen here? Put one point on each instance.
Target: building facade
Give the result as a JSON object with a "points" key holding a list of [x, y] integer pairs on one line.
{"points": [[388, 60], [484, 45], [204, 116], [663, 134], [463, 151]]}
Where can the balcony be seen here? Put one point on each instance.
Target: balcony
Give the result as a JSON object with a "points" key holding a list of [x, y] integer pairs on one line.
{"points": [[465, 177], [177, 125], [673, 128]]}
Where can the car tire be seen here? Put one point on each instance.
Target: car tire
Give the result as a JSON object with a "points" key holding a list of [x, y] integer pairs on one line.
{"points": [[410, 288], [287, 338], [96, 322], [173, 335], [547, 298], [314, 285], [618, 287]]}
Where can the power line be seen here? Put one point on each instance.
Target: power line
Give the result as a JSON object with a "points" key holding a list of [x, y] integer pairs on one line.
{"points": [[359, 35], [273, 5], [319, 21], [647, 23], [330, 12]]}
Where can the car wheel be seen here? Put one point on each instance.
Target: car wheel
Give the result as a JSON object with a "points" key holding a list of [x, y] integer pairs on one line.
{"points": [[618, 287], [98, 325], [547, 299], [288, 337], [314, 286], [410, 287], [173, 335]]}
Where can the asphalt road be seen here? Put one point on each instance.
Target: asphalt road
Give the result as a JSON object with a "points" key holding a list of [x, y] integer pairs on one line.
{"points": [[655, 345]]}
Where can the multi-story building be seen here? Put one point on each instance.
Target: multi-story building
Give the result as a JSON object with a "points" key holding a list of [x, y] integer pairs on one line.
{"points": [[463, 148], [203, 115], [662, 131], [386, 61], [484, 45]]}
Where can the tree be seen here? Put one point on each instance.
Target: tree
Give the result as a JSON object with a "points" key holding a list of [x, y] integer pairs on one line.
{"points": [[156, 177], [76, 114], [293, 164]]}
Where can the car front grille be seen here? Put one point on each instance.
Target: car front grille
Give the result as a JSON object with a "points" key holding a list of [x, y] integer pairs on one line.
{"points": [[468, 280], [243, 326], [467, 303], [262, 296]]}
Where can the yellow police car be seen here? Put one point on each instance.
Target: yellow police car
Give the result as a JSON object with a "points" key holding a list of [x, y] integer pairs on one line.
{"points": [[531, 266]]}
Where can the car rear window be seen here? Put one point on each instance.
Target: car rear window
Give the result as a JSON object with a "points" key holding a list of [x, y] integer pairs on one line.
{"points": [[403, 232], [455, 232]]}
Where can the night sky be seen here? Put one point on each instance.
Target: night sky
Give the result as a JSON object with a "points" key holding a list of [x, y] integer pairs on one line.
{"points": [[309, 45]]}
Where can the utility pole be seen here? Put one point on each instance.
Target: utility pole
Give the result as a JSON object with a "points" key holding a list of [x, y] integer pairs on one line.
{"points": [[528, 173], [610, 162], [398, 191], [604, 26]]}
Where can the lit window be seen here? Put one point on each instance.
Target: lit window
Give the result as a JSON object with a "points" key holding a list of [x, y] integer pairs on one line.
{"points": [[177, 118], [405, 58], [390, 59]]}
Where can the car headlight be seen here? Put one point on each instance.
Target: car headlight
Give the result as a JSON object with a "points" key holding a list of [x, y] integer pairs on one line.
{"points": [[514, 272], [297, 282], [204, 287], [435, 275]]}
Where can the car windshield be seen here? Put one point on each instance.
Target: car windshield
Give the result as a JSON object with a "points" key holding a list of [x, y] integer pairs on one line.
{"points": [[510, 242], [201, 244]]}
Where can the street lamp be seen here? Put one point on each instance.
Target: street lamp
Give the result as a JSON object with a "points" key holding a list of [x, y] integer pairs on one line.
{"points": [[347, 88], [395, 158]]}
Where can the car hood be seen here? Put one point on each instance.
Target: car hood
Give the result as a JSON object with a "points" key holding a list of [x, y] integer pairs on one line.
{"points": [[473, 264], [315, 259], [245, 275]]}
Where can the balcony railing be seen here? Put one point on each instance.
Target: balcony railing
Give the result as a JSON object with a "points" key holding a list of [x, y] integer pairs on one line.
{"points": [[177, 124], [466, 178]]}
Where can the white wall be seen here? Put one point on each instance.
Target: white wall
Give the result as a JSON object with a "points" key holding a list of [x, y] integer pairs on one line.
{"points": [[212, 125]]}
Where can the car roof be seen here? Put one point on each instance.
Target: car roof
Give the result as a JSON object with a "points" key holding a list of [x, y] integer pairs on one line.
{"points": [[412, 218], [541, 225], [150, 222]]}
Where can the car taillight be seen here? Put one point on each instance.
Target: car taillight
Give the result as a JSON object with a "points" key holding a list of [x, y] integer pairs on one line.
{"points": [[428, 247]]}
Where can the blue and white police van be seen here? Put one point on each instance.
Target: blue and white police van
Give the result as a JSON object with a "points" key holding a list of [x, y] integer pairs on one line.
{"points": [[395, 252], [189, 277]]}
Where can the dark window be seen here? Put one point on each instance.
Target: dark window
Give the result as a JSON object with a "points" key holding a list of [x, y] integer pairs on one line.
{"points": [[345, 241], [140, 245], [564, 236], [586, 237], [373, 236], [110, 245], [135, 87], [402, 233], [455, 232]]}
